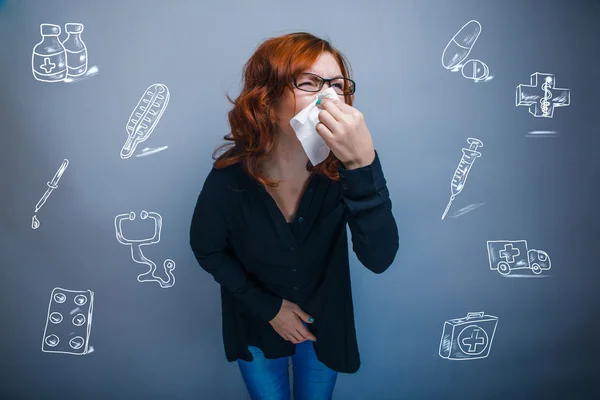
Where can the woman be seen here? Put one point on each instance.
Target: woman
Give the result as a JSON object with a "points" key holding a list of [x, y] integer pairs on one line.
{"points": [[271, 228]]}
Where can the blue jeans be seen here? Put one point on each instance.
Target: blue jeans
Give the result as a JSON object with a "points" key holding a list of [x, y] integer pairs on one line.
{"points": [[268, 379]]}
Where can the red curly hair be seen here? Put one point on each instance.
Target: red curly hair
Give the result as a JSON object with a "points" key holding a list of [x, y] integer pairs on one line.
{"points": [[271, 69]]}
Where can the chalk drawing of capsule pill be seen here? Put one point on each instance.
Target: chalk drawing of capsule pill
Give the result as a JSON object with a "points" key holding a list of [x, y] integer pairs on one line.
{"points": [[475, 70], [459, 47]]}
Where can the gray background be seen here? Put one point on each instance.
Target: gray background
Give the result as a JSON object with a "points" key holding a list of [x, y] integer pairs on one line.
{"points": [[166, 343]]}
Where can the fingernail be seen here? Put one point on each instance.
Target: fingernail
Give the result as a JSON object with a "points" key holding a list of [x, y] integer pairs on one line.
{"points": [[311, 319], [319, 101], [314, 340]]}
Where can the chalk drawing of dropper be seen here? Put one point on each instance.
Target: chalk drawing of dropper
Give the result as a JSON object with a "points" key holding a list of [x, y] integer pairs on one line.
{"points": [[53, 184], [136, 249], [462, 171]]}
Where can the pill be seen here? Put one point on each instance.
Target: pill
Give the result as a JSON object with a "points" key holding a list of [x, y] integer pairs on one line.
{"points": [[77, 342], [459, 47], [80, 300], [56, 318], [79, 319], [52, 340], [60, 297], [476, 70]]}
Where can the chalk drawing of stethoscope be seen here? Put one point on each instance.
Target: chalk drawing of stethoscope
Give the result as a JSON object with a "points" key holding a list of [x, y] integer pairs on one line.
{"points": [[136, 249]]}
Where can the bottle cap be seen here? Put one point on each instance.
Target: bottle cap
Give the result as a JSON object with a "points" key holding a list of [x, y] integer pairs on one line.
{"points": [[50, 30], [74, 28]]}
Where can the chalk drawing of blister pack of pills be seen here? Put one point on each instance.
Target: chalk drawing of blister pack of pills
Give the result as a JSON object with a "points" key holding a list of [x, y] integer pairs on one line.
{"points": [[69, 322], [136, 249], [458, 49], [506, 256], [468, 338], [54, 60], [143, 120], [542, 96]]}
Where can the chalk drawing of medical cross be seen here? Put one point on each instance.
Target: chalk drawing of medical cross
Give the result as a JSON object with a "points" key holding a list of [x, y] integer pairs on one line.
{"points": [[509, 253], [47, 65], [473, 340], [541, 96]]}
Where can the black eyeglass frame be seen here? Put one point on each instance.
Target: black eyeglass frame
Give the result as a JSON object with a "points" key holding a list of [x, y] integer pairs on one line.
{"points": [[323, 82]]}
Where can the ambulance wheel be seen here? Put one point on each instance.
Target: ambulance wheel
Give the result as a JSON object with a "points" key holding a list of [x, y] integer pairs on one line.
{"points": [[536, 268], [504, 268]]}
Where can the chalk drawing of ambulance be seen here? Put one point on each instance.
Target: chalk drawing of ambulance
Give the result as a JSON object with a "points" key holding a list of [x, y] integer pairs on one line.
{"points": [[509, 255]]}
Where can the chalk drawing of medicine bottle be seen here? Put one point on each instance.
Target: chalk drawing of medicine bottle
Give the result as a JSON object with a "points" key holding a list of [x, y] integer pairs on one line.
{"points": [[77, 60], [49, 58]]}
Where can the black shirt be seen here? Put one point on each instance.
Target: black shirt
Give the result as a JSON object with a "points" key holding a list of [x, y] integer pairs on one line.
{"points": [[239, 235]]}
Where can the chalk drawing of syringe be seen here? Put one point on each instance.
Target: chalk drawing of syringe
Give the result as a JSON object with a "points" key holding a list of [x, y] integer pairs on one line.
{"points": [[462, 171], [542, 100], [53, 184], [136, 249]]}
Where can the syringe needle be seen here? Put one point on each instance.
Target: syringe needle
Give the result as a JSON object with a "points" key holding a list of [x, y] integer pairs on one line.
{"points": [[448, 207]]}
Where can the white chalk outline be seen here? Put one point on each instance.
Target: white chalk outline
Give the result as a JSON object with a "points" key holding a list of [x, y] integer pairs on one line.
{"points": [[475, 77], [136, 248], [457, 58], [544, 134], [472, 321], [144, 117], [534, 260], [459, 178], [44, 77], [466, 209], [61, 298], [541, 106], [456, 62], [69, 74], [53, 184], [147, 151]]}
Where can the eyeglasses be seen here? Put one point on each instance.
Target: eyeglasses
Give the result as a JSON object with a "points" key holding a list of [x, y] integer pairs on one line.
{"points": [[313, 83]]}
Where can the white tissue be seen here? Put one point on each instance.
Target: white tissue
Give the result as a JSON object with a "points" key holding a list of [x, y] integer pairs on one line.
{"points": [[304, 124]]}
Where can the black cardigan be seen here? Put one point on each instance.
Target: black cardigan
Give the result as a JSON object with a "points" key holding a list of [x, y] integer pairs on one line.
{"points": [[239, 235]]}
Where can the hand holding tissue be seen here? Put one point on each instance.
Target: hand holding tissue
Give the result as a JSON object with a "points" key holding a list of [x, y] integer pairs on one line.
{"points": [[304, 124], [342, 130]]}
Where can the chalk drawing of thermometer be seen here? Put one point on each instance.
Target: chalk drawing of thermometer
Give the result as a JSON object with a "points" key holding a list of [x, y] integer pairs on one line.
{"points": [[145, 117], [462, 171], [53, 184], [136, 249]]}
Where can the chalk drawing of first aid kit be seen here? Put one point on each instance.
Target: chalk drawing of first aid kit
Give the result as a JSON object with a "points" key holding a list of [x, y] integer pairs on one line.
{"points": [[468, 338], [54, 60], [508, 255]]}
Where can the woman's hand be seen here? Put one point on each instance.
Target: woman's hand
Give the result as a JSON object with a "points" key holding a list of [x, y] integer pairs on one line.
{"points": [[344, 130], [288, 323]]}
